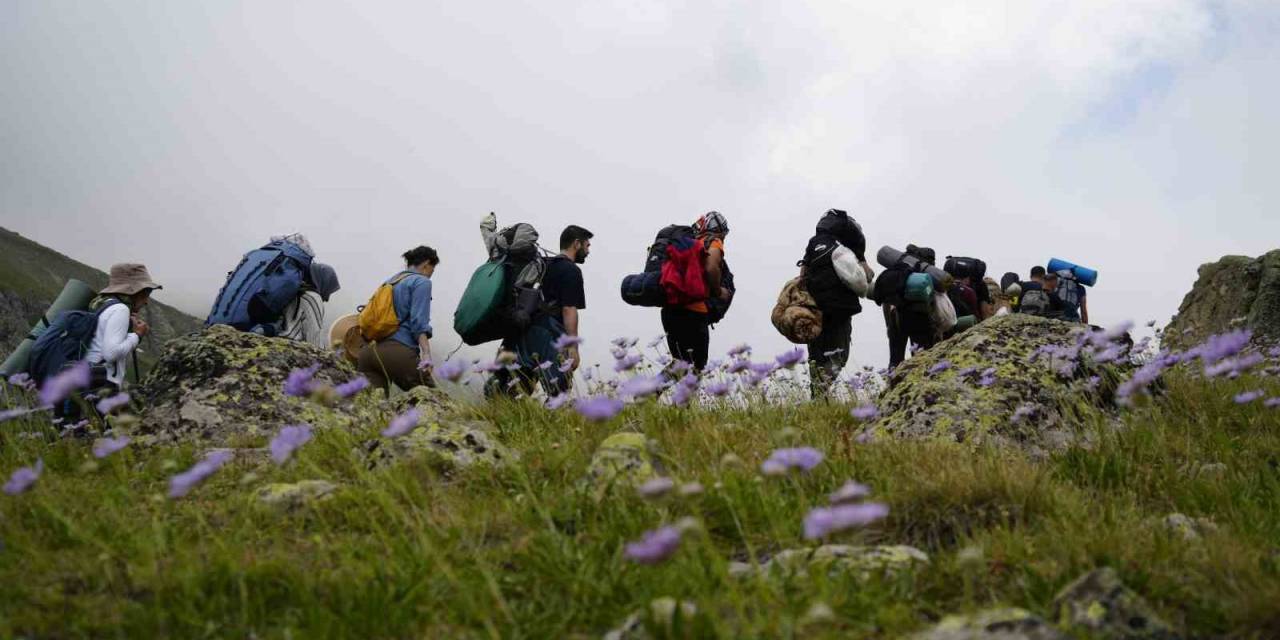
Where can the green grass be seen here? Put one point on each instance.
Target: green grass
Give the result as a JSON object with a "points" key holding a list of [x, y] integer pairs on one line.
{"points": [[418, 550]]}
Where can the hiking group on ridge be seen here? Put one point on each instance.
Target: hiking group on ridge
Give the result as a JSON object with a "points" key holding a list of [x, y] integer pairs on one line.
{"points": [[529, 300]]}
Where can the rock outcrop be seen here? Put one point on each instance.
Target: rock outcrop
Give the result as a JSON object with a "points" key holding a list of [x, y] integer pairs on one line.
{"points": [[1234, 292], [1103, 607], [993, 624], [222, 387], [864, 562], [1015, 380], [626, 459]]}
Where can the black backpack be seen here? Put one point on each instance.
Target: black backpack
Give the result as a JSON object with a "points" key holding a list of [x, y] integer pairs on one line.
{"points": [[821, 279], [716, 307], [64, 342], [846, 230], [644, 289], [961, 268]]}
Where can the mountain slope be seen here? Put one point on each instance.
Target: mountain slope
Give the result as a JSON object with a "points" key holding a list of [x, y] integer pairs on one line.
{"points": [[32, 275]]}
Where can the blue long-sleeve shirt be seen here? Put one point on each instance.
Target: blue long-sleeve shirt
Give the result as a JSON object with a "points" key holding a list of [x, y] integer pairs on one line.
{"points": [[411, 298]]}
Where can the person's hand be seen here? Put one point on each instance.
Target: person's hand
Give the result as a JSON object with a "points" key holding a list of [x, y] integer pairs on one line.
{"points": [[140, 326], [571, 355], [425, 367]]}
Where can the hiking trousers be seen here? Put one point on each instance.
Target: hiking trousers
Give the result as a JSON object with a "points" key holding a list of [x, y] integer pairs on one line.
{"points": [[906, 325], [389, 362], [829, 352], [688, 335]]}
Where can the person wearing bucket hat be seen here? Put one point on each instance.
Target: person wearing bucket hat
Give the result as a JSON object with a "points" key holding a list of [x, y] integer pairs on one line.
{"points": [[303, 319], [120, 327]]}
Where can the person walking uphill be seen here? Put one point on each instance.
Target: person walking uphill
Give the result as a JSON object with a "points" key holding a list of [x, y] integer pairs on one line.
{"points": [[397, 326], [688, 327], [836, 274], [563, 296]]}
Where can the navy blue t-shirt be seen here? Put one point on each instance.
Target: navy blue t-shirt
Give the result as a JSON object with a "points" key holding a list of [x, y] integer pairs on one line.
{"points": [[562, 285]]}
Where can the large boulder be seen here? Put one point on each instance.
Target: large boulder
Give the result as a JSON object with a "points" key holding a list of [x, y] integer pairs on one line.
{"points": [[1015, 380], [222, 387], [626, 459], [1234, 292], [1099, 604], [863, 562], [993, 624]]}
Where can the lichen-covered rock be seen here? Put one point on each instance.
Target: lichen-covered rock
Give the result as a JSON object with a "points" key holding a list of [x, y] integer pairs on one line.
{"points": [[665, 615], [294, 495], [1185, 527], [222, 387], [431, 403], [624, 459], [1234, 292], [457, 443], [1102, 606], [993, 624], [864, 562], [1033, 397]]}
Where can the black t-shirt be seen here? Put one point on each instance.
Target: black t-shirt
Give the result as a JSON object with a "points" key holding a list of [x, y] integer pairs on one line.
{"points": [[562, 285]]}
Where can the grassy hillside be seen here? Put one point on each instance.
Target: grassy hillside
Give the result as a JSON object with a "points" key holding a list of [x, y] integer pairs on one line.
{"points": [[32, 275], [94, 549]]}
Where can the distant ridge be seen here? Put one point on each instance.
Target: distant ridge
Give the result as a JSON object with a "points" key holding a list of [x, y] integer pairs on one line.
{"points": [[32, 275]]}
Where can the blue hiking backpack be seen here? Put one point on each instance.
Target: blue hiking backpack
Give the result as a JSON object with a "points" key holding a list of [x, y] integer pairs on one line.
{"points": [[1069, 293], [259, 289], [64, 342]]}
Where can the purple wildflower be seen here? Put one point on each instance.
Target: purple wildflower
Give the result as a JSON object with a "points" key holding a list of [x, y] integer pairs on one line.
{"points": [[738, 366], [822, 522], [1248, 396], [865, 437], [57, 388], [1141, 379], [740, 350], [1233, 367], [111, 403], [865, 412], [791, 358], [567, 365], [300, 383], [1274, 352], [557, 401], [682, 395], [656, 487], [452, 370], [624, 343], [488, 367], [1272, 403], [289, 440], [23, 478], [782, 460], [641, 386], [627, 362], [763, 368], [719, 388], [402, 424], [22, 381], [352, 387], [1218, 347], [850, 492], [104, 447], [940, 367], [9, 414], [987, 379], [565, 341], [599, 408], [182, 484], [1023, 413], [654, 546]]}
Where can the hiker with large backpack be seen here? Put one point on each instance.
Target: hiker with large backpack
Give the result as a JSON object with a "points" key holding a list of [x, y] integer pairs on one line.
{"points": [[104, 335], [396, 326], [303, 319], [969, 293], [555, 321], [692, 275], [1037, 298], [1072, 295], [835, 273], [905, 291]]}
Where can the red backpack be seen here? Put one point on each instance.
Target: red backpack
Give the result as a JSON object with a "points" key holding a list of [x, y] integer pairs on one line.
{"points": [[683, 278]]}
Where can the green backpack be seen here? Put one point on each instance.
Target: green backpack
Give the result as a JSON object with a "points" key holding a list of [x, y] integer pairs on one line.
{"points": [[483, 297]]}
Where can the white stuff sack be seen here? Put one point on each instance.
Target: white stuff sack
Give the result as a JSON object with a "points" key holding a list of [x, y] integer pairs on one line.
{"points": [[942, 312], [850, 272]]}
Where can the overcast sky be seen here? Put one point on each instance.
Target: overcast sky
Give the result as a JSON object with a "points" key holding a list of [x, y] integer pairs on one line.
{"points": [[1138, 137]]}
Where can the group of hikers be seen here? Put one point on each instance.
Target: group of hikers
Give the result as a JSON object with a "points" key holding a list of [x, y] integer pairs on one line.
{"points": [[529, 300]]}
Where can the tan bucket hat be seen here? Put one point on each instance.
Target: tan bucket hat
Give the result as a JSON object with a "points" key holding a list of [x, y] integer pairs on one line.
{"points": [[344, 336], [129, 278]]}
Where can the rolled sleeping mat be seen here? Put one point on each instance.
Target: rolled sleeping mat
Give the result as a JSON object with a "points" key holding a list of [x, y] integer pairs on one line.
{"points": [[1084, 275], [888, 257], [75, 296]]}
